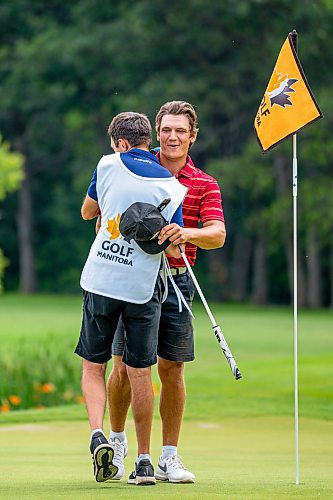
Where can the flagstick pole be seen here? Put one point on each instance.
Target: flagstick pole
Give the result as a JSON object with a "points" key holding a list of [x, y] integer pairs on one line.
{"points": [[295, 302], [294, 41]]}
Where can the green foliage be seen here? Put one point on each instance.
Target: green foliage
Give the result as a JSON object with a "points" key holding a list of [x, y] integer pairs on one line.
{"points": [[249, 182], [41, 373], [65, 70], [37, 355], [11, 169], [11, 175]]}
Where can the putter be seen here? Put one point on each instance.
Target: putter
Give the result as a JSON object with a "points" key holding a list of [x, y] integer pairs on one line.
{"points": [[217, 330]]}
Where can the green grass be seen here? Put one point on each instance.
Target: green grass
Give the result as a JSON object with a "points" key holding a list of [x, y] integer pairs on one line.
{"points": [[36, 317], [261, 339], [248, 458], [237, 436]]}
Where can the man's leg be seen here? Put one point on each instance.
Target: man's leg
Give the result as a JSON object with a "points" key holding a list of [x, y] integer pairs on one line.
{"points": [[142, 405], [119, 399], [94, 392], [142, 408], [141, 323], [175, 346], [119, 395], [172, 402], [172, 399], [100, 317]]}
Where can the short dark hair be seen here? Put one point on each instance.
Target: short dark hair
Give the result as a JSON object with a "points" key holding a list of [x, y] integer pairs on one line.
{"points": [[177, 108], [134, 127]]}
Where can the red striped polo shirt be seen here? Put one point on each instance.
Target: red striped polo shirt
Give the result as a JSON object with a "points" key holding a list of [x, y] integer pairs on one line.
{"points": [[202, 203]]}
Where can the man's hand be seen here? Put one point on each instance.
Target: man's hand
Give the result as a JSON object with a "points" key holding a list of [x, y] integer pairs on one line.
{"points": [[211, 235], [175, 233]]}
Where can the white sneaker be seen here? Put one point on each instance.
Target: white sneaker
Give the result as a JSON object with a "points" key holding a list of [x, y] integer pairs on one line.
{"points": [[172, 469], [120, 449]]}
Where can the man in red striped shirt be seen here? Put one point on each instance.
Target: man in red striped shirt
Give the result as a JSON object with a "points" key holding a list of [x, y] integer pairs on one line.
{"points": [[176, 126]]}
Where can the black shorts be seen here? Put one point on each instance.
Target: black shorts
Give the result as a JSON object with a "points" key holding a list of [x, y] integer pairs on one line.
{"points": [[99, 323], [175, 336]]}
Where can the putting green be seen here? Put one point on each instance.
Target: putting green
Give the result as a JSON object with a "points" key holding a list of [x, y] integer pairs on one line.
{"points": [[246, 458]]}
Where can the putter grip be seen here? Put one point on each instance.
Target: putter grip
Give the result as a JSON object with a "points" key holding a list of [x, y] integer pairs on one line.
{"points": [[226, 351]]}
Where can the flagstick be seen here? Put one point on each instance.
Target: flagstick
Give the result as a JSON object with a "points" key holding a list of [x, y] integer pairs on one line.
{"points": [[294, 41], [295, 301]]}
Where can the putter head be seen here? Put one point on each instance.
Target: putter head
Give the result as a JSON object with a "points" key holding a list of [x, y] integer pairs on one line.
{"points": [[237, 374]]}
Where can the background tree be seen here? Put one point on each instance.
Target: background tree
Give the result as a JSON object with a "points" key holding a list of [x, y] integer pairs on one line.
{"points": [[68, 68], [11, 175]]}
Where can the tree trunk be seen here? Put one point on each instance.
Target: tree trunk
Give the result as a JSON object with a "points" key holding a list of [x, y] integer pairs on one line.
{"points": [[28, 283], [302, 295], [331, 271], [284, 186], [314, 269], [218, 274], [240, 267], [260, 289]]}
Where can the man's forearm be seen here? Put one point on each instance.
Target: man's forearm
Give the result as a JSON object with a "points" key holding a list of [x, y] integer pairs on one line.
{"points": [[89, 209], [211, 235], [208, 237]]}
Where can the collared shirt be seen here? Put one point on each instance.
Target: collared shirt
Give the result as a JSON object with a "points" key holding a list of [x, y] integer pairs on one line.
{"points": [[202, 203]]}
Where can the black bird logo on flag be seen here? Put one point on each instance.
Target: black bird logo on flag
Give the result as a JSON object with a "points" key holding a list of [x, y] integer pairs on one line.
{"points": [[280, 95]]}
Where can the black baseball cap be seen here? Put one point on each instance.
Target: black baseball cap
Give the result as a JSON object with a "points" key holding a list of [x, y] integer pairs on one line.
{"points": [[142, 222]]}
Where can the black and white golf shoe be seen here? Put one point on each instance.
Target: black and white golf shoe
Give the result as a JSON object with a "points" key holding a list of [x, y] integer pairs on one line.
{"points": [[102, 455], [132, 478], [143, 474]]}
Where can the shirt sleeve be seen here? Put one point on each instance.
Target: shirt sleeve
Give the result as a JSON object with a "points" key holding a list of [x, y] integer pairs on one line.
{"points": [[177, 217], [211, 203], [92, 192]]}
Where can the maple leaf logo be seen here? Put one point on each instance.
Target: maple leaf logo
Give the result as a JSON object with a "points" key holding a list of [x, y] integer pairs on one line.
{"points": [[280, 89], [113, 227]]}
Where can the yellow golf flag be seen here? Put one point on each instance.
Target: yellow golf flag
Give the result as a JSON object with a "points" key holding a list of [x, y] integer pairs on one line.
{"points": [[288, 103]]}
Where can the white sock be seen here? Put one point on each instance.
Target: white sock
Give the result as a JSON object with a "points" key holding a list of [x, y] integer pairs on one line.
{"points": [[169, 451], [119, 435], [96, 430], [143, 456]]}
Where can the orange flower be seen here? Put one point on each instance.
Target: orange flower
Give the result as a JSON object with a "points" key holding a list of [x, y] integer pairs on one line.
{"points": [[46, 388], [79, 400], [4, 408], [14, 400]]}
